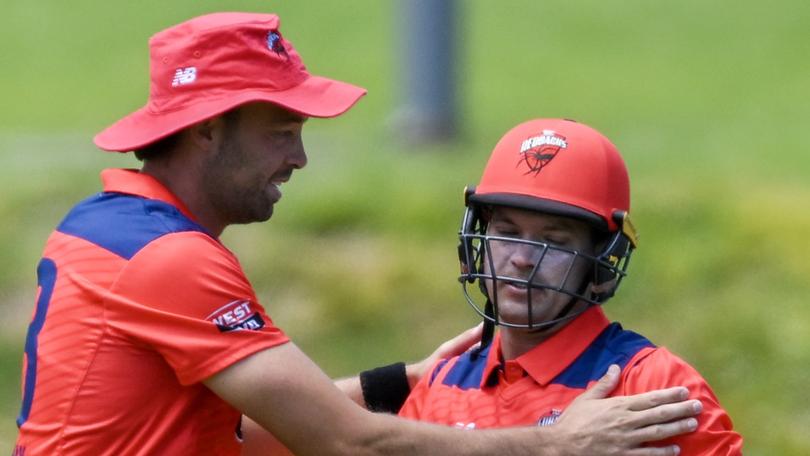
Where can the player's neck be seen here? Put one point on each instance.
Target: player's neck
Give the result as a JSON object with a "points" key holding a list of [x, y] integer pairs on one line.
{"points": [[517, 341], [183, 184]]}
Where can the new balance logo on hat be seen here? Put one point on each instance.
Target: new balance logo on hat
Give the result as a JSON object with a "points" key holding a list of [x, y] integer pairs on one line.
{"points": [[184, 76], [274, 43]]}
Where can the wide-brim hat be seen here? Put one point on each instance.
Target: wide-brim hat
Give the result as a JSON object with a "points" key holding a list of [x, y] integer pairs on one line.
{"points": [[210, 64]]}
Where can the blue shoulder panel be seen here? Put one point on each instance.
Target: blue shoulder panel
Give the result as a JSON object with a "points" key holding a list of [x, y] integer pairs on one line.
{"points": [[468, 370], [613, 346], [124, 224], [439, 366]]}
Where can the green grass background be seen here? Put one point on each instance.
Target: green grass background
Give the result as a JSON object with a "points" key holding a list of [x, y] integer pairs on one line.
{"points": [[708, 102]]}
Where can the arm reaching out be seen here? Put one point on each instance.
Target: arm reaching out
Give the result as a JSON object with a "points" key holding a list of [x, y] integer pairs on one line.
{"points": [[257, 441], [285, 393]]}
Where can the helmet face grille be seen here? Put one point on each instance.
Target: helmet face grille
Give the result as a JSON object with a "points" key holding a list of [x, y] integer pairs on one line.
{"points": [[579, 275]]}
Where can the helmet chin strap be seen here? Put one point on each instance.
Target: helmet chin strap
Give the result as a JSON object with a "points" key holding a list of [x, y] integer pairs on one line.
{"points": [[488, 331]]}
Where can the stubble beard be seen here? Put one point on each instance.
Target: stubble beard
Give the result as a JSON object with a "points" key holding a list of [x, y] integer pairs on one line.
{"points": [[234, 191]]}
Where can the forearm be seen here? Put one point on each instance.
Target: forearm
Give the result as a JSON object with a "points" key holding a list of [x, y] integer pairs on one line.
{"points": [[286, 394], [257, 441], [394, 436], [351, 388]]}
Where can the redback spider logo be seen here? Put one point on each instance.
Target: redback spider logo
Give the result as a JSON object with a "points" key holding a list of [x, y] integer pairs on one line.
{"points": [[538, 151]]}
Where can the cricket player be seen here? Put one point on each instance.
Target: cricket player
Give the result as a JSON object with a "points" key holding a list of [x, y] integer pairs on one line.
{"points": [[147, 338], [546, 239]]}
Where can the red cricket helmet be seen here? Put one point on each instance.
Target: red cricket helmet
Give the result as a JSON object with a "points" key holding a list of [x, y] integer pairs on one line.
{"points": [[559, 167]]}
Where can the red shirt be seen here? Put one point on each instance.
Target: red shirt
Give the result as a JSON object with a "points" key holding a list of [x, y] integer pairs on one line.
{"points": [[534, 389], [136, 305]]}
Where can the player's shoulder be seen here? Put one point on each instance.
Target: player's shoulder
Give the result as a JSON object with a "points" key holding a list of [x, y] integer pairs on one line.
{"points": [[660, 356], [173, 249], [125, 224], [185, 253], [617, 339], [661, 368], [186, 267]]}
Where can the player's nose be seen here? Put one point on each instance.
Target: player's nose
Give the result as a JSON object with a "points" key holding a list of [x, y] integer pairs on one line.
{"points": [[297, 156], [525, 256]]}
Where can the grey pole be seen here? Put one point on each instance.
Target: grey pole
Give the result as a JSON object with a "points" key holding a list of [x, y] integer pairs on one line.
{"points": [[427, 74]]}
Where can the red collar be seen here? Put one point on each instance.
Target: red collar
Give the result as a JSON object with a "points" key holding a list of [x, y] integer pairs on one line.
{"points": [[548, 359], [133, 182]]}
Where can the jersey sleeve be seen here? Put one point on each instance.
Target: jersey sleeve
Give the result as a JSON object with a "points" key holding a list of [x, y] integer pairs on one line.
{"points": [[185, 296], [662, 369]]}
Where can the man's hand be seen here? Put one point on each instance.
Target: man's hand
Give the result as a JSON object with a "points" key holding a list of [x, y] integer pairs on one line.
{"points": [[595, 424], [448, 349]]}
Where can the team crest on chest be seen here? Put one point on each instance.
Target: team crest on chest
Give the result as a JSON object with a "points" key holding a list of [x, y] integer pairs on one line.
{"points": [[536, 152], [550, 418]]}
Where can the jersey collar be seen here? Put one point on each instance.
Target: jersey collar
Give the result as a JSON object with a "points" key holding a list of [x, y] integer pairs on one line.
{"points": [[133, 182], [548, 359]]}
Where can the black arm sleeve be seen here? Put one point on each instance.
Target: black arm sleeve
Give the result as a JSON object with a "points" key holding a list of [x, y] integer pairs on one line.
{"points": [[385, 388]]}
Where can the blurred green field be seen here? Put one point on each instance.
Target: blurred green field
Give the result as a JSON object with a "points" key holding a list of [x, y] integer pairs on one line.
{"points": [[708, 102]]}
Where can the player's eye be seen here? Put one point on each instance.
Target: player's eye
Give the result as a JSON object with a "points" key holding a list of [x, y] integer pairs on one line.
{"points": [[505, 230], [560, 241]]}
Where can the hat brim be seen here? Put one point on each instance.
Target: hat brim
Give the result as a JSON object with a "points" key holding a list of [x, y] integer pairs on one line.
{"points": [[315, 97]]}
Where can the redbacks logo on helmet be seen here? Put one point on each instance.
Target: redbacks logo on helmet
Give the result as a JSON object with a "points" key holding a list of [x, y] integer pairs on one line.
{"points": [[539, 150]]}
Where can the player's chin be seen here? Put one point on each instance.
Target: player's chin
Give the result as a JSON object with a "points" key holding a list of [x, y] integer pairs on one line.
{"points": [[263, 206], [513, 313], [516, 311], [260, 211], [266, 214]]}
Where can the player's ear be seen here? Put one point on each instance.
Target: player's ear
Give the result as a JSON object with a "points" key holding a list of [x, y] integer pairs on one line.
{"points": [[206, 128], [206, 134]]}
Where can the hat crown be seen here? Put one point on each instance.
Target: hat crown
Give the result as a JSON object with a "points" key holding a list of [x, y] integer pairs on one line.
{"points": [[218, 54]]}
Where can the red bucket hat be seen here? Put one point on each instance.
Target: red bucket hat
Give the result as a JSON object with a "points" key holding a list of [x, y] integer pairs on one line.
{"points": [[213, 63]]}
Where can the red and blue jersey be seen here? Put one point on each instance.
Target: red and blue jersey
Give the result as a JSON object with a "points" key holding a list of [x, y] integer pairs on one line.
{"points": [[136, 305], [476, 392]]}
